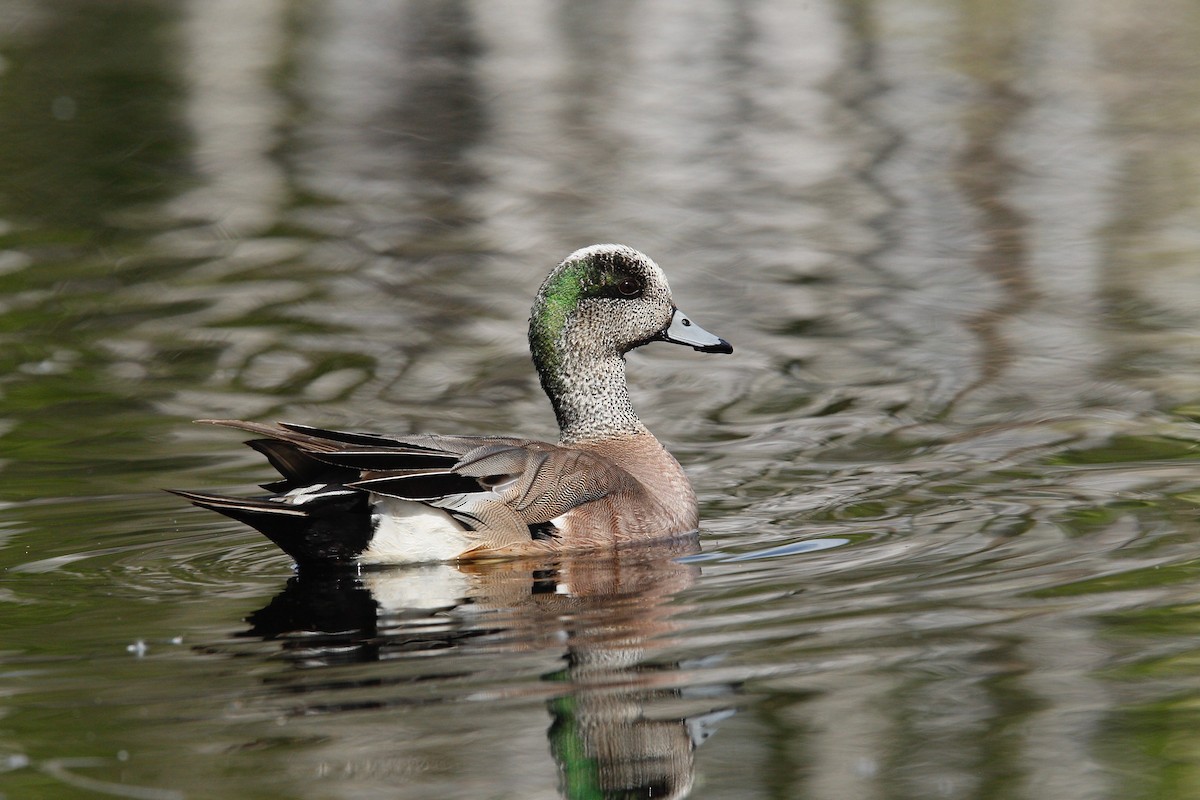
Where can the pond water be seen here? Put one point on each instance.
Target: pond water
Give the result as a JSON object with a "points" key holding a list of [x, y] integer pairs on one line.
{"points": [[949, 478]]}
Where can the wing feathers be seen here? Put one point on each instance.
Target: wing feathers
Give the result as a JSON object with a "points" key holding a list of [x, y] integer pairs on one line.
{"points": [[420, 485], [503, 487], [382, 460], [297, 466], [345, 437]]}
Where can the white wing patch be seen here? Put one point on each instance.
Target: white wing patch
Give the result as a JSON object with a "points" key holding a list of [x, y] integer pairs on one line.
{"points": [[307, 494], [411, 533]]}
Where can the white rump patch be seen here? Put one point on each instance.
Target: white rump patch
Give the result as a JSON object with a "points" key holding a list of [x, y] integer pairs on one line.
{"points": [[410, 533]]}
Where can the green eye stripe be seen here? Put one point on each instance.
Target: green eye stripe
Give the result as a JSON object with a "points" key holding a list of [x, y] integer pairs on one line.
{"points": [[586, 278]]}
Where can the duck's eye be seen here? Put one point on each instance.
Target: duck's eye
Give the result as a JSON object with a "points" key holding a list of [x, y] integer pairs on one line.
{"points": [[629, 287]]}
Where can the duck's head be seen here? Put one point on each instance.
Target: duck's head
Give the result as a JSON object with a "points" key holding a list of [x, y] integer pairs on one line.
{"points": [[597, 305], [605, 300]]}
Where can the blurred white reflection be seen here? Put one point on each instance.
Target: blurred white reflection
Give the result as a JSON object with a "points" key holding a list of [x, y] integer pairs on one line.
{"points": [[232, 53]]}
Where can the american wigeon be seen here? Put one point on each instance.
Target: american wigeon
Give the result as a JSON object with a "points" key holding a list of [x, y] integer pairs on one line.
{"points": [[356, 498]]}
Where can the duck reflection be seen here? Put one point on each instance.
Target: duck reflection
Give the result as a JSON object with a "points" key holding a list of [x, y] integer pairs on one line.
{"points": [[623, 725]]}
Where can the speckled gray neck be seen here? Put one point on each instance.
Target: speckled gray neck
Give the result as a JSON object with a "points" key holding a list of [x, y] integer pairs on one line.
{"points": [[592, 401]]}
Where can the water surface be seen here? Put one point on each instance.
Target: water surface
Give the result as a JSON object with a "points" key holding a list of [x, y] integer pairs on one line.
{"points": [[949, 478]]}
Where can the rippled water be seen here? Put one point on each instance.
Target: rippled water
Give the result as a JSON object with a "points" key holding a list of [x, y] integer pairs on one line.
{"points": [[949, 478]]}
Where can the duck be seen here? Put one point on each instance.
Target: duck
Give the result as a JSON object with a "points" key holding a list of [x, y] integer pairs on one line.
{"points": [[361, 499]]}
